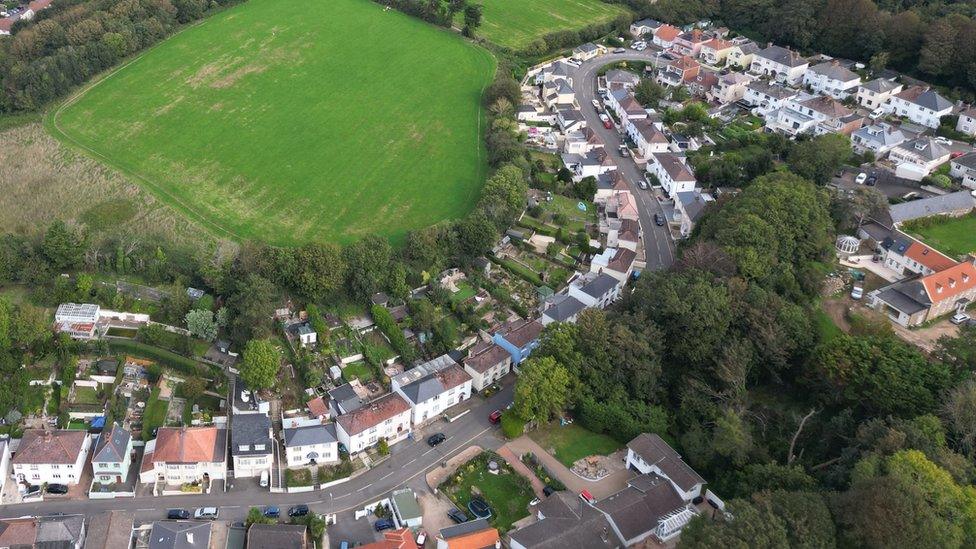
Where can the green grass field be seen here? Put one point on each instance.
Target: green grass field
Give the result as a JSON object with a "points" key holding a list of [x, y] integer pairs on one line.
{"points": [[287, 121], [516, 23], [955, 236], [572, 442]]}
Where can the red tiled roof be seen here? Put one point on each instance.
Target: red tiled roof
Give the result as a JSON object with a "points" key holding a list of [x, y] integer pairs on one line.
{"points": [[40, 446], [928, 257], [474, 540], [317, 407], [373, 414], [717, 44], [187, 445], [18, 533], [667, 33], [452, 376], [951, 282], [397, 539], [622, 260], [523, 334], [38, 5], [492, 356]]}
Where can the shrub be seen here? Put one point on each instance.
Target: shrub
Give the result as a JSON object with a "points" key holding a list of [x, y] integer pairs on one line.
{"points": [[383, 447], [512, 425], [298, 477], [329, 473]]}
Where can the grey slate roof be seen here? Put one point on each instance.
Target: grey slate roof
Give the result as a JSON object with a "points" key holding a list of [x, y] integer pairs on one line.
{"points": [[109, 530], [345, 398], [926, 147], [112, 445], [464, 528], [930, 99], [58, 531], [772, 90], [900, 296], [967, 160], [435, 383], [568, 524], [834, 71], [168, 534], [693, 204], [600, 285], [309, 435], [881, 85], [654, 450], [882, 136], [639, 508], [564, 307], [276, 536], [783, 56], [250, 430], [947, 203]]}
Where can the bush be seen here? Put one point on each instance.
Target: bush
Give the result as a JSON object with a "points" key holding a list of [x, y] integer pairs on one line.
{"points": [[383, 447], [385, 322], [329, 473], [512, 425], [295, 478], [167, 358]]}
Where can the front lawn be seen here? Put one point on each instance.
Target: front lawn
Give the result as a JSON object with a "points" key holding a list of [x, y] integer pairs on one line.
{"points": [[954, 236], [507, 493], [570, 443]]}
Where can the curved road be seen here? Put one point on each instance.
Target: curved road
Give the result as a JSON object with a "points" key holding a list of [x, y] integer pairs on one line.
{"points": [[658, 244]]}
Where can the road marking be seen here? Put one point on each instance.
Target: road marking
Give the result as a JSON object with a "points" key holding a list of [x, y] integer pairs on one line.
{"points": [[409, 462], [232, 507], [386, 475], [340, 497], [363, 488], [315, 502], [427, 452], [144, 510]]}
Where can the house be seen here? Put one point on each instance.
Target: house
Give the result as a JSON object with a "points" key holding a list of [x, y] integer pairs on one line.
{"points": [[519, 338], [715, 51], [180, 534], [181, 455], [647, 136], [831, 78], [689, 209], [564, 521], [561, 308], [393, 539], [569, 118], [919, 157], [581, 142], [779, 64], [607, 184], [618, 263], [905, 255], [967, 121], [588, 51], [406, 508], [387, 417], [560, 69], [626, 107], [742, 53], [616, 79], [591, 164], [597, 290], [879, 139], [472, 534], [951, 205], [729, 88], [112, 455], [622, 205], [431, 392], [673, 172], [277, 536], [876, 93], [52, 456], [623, 233], [964, 168], [109, 530], [55, 532], [807, 114], [346, 398], [317, 407], [558, 92], [689, 43], [765, 98], [78, 320], [310, 444], [487, 364], [306, 335], [665, 35], [921, 105], [679, 71], [649, 453], [250, 445], [918, 300], [644, 26], [703, 83]]}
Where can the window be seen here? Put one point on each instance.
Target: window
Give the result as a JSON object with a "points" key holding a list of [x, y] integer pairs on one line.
{"points": [[259, 446]]}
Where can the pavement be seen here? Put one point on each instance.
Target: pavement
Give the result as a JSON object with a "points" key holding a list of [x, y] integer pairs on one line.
{"points": [[658, 244]]}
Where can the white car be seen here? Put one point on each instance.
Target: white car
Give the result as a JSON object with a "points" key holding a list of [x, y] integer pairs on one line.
{"points": [[959, 318], [877, 113], [205, 513], [596, 104], [857, 292], [861, 178], [244, 396], [265, 478]]}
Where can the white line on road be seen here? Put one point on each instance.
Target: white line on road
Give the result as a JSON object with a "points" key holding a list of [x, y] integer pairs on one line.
{"points": [[409, 462], [386, 475], [316, 502], [232, 506], [340, 497], [144, 510]]}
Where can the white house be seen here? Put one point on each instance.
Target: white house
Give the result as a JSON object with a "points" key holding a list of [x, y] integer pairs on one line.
{"points": [[597, 290], [306, 335], [180, 455], [874, 94], [879, 139], [907, 256], [312, 444], [830, 78], [592, 164], [77, 319], [672, 171], [919, 104], [642, 27], [689, 208], [487, 364], [648, 453], [780, 64], [664, 36], [52, 456], [561, 308], [618, 263], [765, 98], [964, 168], [742, 53], [923, 155], [588, 51], [807, 114], [729, 88], [112, 456], [433, 387], [569, 118], [967, 121], [250, 444], [387, 417], [648, 137], [4, 463]]}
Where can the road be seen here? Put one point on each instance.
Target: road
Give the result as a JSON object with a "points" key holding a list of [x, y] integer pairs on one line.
{"points": [[409, 461], [658, 244]]}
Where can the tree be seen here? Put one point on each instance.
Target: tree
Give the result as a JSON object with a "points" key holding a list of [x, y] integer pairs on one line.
{"points": [[29, 327], [751, 528], [368, 264], [319, 270], [251, 305], [542, 390], [503, 198], [476, 234], [472, 18], [6, 321], [935, 56], [818, 158], [201, 324], [383, 447], [959, 411], [259, 369], [193, 388], [62, 247], [256, 516], [756, 477], [585, 189], [649, 93]]}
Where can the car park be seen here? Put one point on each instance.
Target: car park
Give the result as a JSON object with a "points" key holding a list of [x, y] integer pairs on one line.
{"points": [[177, 514], [298, 511], [457, 516], [59, 489], [435, 439], [205, 513], [272, 511], [959, 318], [383, 524]]}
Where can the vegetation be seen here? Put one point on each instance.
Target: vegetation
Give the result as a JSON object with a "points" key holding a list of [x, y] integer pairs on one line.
{"points": [[507, 493], [570, 443], [261, 361], [516, 24], [296, 478], [155, 414], [955, 236]]}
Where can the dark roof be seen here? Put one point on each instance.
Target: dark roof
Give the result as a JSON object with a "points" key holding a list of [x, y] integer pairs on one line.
{"points": [[600, 285], [639, 508], [881, 85], [345, 398], [109, 530], [58, 532], [967, 160], [276, 536], [469, 527], [653, 450], [250, 430], [900, 297], [947, 203], [112, 445], [171, 534], [783, 56], [925, 97], [523, 334], [563, 307], [569, 523], [491, 356], [309, 435]]}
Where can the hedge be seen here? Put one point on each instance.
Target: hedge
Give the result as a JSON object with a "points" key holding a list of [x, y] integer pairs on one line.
{"points": [[385, 322], [512, 425], [167, 358]]}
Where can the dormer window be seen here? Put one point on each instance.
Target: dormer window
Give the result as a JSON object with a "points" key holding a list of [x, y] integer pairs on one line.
{"points": [[243, 447], [965, 278], [920, 146], [938, 288], [952, 282]]}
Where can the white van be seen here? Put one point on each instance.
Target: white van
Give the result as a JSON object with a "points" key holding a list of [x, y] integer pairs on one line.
{"points": [[264, 478]]}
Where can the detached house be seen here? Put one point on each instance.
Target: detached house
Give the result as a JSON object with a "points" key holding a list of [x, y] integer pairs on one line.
{"points": [[112, 456], [251, 446], [780, 64], [52, 456], [597, 290], [808, 114], [588, 51], [665, 35], [918, 300], [919, 104], [830, 78], [618, 263], [642, 27], [742, 53], [311, 444], [387, 417], [874, 94], [967, 121], [689, 43], [433, 388], [180, 455], [918, 157], [487, 364], [672, 171], [715, 51], [649, 453]]}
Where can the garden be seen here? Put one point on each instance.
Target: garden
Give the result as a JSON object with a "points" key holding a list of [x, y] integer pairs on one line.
{"points": [[955, 236], [506, 492], [569, 443]]}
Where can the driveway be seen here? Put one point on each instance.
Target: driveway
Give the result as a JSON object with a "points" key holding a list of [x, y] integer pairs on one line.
{"points": [[658, 244], [600, 489]]}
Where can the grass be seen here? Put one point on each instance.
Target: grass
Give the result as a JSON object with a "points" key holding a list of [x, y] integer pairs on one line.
{"points": [[955, 236], [826, 326], [571, 442], [575, 219], [155, 414], [507, 493], [259, 124], [86, 395], [516, 23], [122, 332], [357, 370], [465, 291]]}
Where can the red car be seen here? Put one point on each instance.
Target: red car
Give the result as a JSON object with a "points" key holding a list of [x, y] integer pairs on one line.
{"points": [[495, 417]]}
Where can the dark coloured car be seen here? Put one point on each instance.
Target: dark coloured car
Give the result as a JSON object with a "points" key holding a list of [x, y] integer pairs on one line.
{"points": [[479, 508], [457, 516], [435, 439], [383, 524], [178, 514], [298, 511], [871, 181], [658, 220], [272, 511], [57, 489], [548, 490]]}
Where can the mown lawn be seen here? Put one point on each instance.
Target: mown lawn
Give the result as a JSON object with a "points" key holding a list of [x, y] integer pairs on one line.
{"points": [[357, 370], [155, 414], [571, 442], [516, 23], [288, 121], [507, 493], [954, 236]]}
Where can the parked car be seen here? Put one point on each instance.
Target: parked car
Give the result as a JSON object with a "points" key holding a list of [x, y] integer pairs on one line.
{"points": [[620, 50], [245, 397], [871, 181], [265, 478], [877, 113], [457, 516], [857, 292], [642, 183], [383, 524], [205, 513], [596, 104], [624, 152], [548, 490], [57, 489], [421, 538], [586, 496], [298, 511], [495, 417], [435, 439], [178, 514], [861, 178], [910, 195], [959, 318], [272, 511], [658, 220]]}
